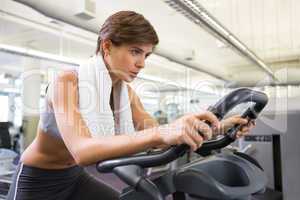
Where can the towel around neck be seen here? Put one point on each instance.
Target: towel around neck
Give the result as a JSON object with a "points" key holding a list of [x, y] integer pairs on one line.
{"points": [[95, 87]]}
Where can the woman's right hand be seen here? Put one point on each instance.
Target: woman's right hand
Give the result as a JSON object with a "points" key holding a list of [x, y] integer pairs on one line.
{"points": [[185, 130]]}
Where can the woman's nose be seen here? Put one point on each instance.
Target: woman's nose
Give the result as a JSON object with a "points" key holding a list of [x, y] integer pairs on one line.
{"points": [[140, 63]]}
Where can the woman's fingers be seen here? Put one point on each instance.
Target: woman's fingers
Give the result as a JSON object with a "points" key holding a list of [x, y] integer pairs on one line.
{"points": [[204, 130], [193, 132], [196, 129], [239, 120], [189, 141], [246, 128], [238, 134], [211, 118]]}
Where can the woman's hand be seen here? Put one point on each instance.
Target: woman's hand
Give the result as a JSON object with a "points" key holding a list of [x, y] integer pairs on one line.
{"points": [[185, 130], [228, 123]]}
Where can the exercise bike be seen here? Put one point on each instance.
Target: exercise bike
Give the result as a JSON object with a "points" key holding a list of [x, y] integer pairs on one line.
{"points": [[222, 176]]}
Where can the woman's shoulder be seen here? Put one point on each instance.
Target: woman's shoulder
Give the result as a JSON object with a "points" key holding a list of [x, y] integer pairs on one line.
{"points": [[62, 78]]}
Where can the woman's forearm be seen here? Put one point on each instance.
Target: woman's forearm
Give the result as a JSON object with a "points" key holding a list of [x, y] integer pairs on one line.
{"points": [[145, 121], [92, 150]]}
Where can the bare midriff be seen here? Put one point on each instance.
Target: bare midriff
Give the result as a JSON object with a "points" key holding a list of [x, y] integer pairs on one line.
{"points": [[47, 152]]}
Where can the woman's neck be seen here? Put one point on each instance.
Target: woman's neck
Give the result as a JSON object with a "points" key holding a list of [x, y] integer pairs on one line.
{"points": [[114, 78]]}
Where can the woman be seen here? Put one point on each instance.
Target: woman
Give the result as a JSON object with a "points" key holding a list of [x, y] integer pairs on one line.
{"points": [[52, 166]]}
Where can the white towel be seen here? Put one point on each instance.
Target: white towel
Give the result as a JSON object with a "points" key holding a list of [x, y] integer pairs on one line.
{"points": [[95, 86]]}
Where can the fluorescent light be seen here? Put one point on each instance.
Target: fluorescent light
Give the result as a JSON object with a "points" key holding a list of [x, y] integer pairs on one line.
{"points": [[215, 24], [190, 4], [238, 43], [39, 54]]}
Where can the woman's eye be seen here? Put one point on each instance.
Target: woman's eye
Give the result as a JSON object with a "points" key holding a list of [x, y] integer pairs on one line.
{"points": [[135, 52]]}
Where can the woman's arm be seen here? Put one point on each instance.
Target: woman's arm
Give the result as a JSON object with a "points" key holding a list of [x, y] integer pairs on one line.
{"points": [[77, 138], [141, 119]]}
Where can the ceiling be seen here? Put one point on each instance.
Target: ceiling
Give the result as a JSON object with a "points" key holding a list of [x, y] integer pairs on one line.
{"points": [[269, 28]]}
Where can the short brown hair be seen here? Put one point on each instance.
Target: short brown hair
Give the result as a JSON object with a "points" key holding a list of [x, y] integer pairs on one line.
{"points": [[127, 27]]}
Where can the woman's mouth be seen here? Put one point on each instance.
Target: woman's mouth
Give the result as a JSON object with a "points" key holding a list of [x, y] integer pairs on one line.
{"points": [[134, 74]]}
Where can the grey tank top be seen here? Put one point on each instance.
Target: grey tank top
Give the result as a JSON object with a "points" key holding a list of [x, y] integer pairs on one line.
{"points": [[47, 119]]}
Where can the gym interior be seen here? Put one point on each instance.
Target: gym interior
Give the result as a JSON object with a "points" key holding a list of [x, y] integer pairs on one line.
{"points": [[225, 56]]}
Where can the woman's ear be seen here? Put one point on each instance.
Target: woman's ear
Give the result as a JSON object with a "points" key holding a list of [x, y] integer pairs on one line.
{"points": [[106, 46]]}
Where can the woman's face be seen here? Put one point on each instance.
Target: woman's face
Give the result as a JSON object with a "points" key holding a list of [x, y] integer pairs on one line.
{"points": [[125, 61]]}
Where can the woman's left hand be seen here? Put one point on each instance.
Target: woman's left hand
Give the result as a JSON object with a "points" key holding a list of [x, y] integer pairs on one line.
{"points": [[229, 122]]}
